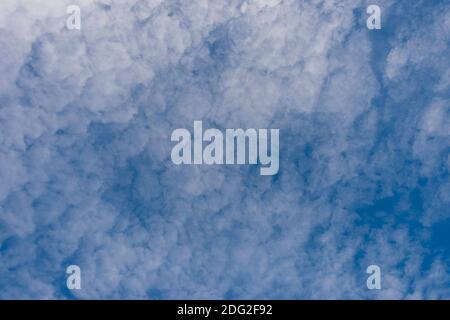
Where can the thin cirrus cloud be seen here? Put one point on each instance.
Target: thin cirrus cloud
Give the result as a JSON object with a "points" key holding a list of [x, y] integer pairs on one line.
{"points": [[86, 176]]}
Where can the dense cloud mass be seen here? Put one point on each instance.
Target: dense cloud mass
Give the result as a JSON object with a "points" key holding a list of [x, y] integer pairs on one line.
{"points": [[86, 177]]}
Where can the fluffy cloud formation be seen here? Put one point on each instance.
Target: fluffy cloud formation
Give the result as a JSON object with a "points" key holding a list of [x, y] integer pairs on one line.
{"points": [[86, 118]]}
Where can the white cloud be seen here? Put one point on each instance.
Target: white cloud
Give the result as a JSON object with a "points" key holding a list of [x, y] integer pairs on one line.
{"points": [[85, 128]]}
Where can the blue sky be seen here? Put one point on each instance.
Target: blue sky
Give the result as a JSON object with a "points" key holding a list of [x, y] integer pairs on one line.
{"points": [[86, 177]]}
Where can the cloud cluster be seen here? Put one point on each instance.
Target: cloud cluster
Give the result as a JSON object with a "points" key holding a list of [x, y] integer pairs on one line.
{"points": [[86, 177]]}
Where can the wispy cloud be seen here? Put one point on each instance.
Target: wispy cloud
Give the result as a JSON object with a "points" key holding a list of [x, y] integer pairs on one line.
{"points": [[86, 176]]}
